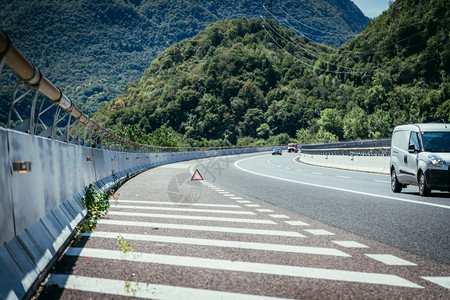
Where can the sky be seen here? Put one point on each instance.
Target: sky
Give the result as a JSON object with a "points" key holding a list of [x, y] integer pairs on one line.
{"points": [[372, 8]]}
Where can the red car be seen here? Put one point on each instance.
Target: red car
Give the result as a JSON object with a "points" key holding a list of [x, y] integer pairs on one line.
{"points": [[292, 147]]}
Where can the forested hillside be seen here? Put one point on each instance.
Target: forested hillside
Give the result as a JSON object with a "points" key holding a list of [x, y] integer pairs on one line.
{"points": [[252, 80], [92, 49]]}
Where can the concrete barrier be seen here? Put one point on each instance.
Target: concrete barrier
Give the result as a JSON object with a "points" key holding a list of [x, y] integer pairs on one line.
{"points": [[372, 164], [39, 210]]}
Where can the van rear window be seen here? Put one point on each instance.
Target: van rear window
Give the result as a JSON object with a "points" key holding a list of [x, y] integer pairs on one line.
{"points": [[400, 139], [436, 141]]}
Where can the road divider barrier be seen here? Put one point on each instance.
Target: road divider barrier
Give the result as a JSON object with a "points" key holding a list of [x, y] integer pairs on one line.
{"points": [[40, 208], [365, 156], [372, 164]]}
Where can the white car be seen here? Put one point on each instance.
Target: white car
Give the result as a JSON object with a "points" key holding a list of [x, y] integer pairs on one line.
{"points": [[420, 155], [277, 151]]}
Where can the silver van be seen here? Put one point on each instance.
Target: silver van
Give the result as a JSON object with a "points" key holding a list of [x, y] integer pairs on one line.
{"points": [[420, 155]]}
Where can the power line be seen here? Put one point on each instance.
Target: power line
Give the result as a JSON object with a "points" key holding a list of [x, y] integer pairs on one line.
{"points": [[297, 59], [358, 71], [318, 30], [304, 49], [365, 34]]}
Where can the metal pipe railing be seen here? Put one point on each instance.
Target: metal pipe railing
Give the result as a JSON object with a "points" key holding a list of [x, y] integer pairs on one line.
{"points": [[31, 76]]}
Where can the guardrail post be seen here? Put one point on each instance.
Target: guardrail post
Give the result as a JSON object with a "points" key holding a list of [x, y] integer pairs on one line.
{"points": [[16, 99]]}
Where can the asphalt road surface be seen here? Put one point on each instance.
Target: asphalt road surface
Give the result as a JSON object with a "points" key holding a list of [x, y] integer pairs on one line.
{"points": [[260, 227], [361, 203]]}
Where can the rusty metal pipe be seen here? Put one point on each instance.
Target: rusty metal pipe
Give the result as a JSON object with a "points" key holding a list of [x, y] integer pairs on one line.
{"points": [[5, 42], [15, 60], [31, 75]]}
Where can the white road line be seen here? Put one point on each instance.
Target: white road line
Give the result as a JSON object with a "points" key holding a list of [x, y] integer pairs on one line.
{"points": [[229, 195], [266, 210], [219, 243], [244, 201], [184, 217], [350, 244], [316, 173], [215, 211], [345, 177], [319, 232], [298, 170], [252, 205], [296, 223], [442, 281], [390, 260], [142, 290], [176, 166], [224, 192], [235, 198], [338, 189], [279, 216], [239, 266], [382, 181], [239, 230], [113, 203]]}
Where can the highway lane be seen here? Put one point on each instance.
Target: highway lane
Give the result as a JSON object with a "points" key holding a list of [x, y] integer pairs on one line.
{"points": [[360, 203], [169, 237]]}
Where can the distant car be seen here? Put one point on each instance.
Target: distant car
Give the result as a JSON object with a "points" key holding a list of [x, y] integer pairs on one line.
{"points": [[276, 151], [292, 147]]}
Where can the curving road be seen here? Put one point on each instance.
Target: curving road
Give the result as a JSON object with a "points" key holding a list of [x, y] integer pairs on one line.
{"points": [[259, 227], [360, 203]]}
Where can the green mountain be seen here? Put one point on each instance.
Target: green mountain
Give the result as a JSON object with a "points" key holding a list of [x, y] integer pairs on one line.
{"points": [[250, 80], [403, 58], [92, 49]]}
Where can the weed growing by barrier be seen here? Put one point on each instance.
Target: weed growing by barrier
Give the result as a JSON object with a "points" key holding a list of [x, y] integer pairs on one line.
{"points": [[97, 206]]}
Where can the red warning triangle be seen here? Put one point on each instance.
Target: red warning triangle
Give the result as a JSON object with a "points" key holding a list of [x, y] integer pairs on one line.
{"points": [[197, 175]]}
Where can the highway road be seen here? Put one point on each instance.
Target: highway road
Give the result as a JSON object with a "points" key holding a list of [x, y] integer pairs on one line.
{"points": [[361, 203], [259, 227]]}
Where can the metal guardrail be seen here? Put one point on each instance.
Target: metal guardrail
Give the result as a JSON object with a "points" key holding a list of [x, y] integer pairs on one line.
{"points": [[87, 132], [371, 151], [380, 147]]}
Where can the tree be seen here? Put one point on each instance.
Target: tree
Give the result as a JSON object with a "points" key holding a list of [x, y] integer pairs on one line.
{"points": [[252, 95], [165, 136], [379, 125], [279, 139], [215, 36], [263, 131], [331, 121], [324, 136], [375, 97], [355, 124], [304, 136], [443, 111], [133, 133], [252, 120]]}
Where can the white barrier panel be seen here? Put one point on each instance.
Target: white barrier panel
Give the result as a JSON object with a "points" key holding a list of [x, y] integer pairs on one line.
{"points": [[373, 164], [39, 209]]}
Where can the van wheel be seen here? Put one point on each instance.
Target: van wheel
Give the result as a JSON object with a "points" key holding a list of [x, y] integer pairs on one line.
{"points": [[395, 185], [423, 189]]}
